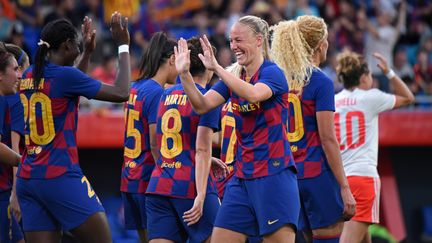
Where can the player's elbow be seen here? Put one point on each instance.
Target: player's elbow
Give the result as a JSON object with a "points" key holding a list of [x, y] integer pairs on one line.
{"points": [[253, 97], [410, 99]]}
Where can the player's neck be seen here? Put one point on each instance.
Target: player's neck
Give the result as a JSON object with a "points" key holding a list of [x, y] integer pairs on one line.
{"points": [[161, 78], [316, 60], [253, 67], [57, 59], [200, 80]]}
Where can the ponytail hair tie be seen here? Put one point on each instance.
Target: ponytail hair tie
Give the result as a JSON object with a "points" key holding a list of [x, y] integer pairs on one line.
{"points": [[42, 42]]}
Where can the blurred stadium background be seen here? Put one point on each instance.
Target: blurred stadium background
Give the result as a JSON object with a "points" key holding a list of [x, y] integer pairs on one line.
{"points": [[405, 135]]}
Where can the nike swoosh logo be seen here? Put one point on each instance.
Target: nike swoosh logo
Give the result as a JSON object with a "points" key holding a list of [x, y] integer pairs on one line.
{"points": [[270, 222]]}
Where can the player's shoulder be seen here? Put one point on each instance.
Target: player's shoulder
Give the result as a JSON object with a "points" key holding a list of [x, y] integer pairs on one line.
{"points": [[318, 77], [371, 93], [12, 99], [147, 86], [270, 68], [174, 89]]}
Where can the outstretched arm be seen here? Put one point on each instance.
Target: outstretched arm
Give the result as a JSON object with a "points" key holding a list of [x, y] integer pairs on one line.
{"points": [[89, 39], [252, 93], [120, 91], [403, 94]]}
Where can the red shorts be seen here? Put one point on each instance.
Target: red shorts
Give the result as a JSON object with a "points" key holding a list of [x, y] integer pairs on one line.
{"points": [[366, 192]]}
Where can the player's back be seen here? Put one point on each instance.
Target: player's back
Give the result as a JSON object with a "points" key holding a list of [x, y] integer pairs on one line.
{"points": [[176, 131], [50, 115], [356, 122], [140, 112], [317, 95]]}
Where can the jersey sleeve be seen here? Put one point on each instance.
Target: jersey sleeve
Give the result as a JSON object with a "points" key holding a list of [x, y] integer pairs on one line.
{"points": [[210, 119], [222, 89], [324, 94], [274, 78], [16, 112], [380, 101], [77, 83], [151, 105]]}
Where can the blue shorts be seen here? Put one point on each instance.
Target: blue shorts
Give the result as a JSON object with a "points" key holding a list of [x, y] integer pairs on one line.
{"points": [[10, 231], [321, 201], [260, 206], [134, 210], [165, 218], [64, 202]]}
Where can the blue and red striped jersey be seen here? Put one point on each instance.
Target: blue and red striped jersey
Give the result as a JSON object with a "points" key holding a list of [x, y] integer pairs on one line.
{"points": [[140, 112], [317, 95], [12, 120], [262, 145], [51, 119], [229, 141], [176, 129]]}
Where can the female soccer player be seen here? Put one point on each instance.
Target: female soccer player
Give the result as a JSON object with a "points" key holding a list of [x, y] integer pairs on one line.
{"points": [[298, 47], [9, 78], [141, 151], [228, 141], [181, 197], [11, 132], [356, 121], [53, 193], [262, 198]]}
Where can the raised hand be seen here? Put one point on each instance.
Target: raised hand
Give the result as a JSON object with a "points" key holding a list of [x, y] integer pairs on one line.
{"points": [[119, 29], [208, 58], [182, 56], [382, 64], [89, 35]]}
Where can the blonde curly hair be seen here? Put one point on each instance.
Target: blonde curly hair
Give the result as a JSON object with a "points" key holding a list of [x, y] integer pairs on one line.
{"points": [[293, 45]]}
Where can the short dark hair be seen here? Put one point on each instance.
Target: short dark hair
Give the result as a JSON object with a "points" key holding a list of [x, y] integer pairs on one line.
{"points": [[196, 67]]}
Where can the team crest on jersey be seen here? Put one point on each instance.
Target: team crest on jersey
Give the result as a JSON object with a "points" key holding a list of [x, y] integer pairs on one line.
{"points": [[130, 164], [35, 150], [276, 163]]}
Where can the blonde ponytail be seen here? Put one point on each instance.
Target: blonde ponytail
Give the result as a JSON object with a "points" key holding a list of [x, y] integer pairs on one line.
{"points": [[291, 54]]}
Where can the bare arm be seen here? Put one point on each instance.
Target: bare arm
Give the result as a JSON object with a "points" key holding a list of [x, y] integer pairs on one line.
{"points": [[200, 103], [89, 39], [153, 141], [8, 156], [120, 91], [202, 170], [403, 94], [15, 138], [251, 93], [331, 149], [401, 21]]}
